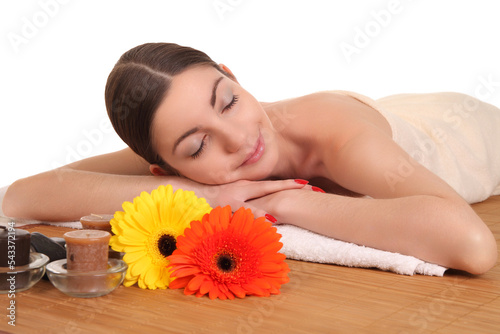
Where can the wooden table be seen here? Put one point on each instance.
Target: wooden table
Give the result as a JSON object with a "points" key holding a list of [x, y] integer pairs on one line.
{"points": [[319, 299]]}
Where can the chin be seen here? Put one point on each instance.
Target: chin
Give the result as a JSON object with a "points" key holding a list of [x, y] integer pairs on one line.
{"points": [[263, 169]]}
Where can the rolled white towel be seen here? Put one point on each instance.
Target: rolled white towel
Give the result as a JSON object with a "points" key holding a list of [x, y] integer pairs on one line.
{"points": [[304, 245]]}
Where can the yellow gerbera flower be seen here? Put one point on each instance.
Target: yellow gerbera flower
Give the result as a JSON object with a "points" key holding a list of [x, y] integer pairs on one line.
{"points": [[147, 230]]}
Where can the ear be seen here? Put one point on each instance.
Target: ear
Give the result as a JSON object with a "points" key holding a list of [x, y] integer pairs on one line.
{"points": [[157, 170], [228, 71]]}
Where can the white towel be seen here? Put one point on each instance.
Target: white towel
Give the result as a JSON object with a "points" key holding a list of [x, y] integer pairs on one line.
{"points": [[301, 244], [454, 135]]}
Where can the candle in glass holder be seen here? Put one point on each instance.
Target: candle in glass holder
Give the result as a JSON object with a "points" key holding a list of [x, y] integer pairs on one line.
{"points": [[87, 250], [14, 253], [97, 222], [14, 247]]}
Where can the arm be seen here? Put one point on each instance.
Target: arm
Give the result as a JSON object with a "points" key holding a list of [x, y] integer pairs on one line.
{"points": [[101, 184], [431, 229], [97, 184], [420, 215]]}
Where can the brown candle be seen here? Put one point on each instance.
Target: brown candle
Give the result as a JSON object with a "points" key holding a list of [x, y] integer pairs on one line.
{"points": [[97, 222], [87, 250], [14, 247], [14, 253]]}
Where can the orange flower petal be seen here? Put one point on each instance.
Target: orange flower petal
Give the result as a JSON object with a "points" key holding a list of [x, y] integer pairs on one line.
{"points": [[181, 258], [213, 221], [274, 257], [229, 295], [237, 290], [196, 228], [206, 286], [179, 282], [185, 271], [253, 289], [270, 267], [225, 217], [262, 283], [189, 292], [214, 292], [196, 282]]}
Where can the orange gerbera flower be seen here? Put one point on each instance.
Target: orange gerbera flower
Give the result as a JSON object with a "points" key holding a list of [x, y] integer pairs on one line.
{"points": [[228, 255]]}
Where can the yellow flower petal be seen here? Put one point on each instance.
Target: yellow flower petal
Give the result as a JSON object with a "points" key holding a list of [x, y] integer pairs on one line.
{"points": [[140, 266], [151, 277], [128, 282], [131, 257]]}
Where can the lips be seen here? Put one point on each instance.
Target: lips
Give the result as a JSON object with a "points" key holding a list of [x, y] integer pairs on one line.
{"points": [[257, 152]]}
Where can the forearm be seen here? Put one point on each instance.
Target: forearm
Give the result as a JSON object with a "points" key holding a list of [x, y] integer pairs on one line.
{"points": [[68, 194], [431, 228]]}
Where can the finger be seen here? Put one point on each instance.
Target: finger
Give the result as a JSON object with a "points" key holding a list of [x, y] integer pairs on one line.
{"points": [[262, 188], [313, 188], [256, 211]]}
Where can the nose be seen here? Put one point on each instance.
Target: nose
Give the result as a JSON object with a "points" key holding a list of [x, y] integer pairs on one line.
{"points": [[233, 138]]}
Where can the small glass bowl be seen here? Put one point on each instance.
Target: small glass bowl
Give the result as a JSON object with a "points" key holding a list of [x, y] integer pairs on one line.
{"points": [[86, 284], [22, 278]]}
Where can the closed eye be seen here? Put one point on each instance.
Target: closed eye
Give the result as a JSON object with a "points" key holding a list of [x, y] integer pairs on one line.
{"points": [[203, 141], [200, 150], [231, 104]]}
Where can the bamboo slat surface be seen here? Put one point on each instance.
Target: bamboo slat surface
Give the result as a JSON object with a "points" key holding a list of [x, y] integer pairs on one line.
{"points": [[319, 299]]}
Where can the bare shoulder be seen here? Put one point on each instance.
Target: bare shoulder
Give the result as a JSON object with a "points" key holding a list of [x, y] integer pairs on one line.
{"points": [[330, 102], [327, 114]]}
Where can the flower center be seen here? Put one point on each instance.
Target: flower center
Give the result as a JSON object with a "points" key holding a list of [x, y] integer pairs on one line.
{"points": [[166, 244], [226, 263]]}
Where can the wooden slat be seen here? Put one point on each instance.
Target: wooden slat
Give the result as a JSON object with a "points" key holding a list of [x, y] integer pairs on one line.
{"points": [[319, 299]]}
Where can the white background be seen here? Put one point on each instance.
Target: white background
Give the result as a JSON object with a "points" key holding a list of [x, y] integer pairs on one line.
{"points": [[53, 76]]}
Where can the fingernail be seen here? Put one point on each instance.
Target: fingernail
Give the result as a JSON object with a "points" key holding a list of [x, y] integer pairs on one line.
{"points": [[317, 189], [300, 181], [270, 218]]}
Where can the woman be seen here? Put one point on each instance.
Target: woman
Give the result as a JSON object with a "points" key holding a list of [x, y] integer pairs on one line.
{"points": [[189, 123]]}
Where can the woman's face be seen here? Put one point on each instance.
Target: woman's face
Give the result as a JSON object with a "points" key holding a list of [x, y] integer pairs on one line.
{"points": [[213, 131]]}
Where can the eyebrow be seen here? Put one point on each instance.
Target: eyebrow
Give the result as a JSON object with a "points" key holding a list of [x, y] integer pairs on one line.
{"points": [[214, 91], [213, 99]]}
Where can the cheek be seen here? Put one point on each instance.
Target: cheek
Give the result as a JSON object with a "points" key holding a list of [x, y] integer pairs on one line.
{"points": [[219, 173], [211, 171]]}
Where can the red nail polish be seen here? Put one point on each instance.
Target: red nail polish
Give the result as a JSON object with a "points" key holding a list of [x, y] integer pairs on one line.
{"points": [[300, 181], [270, 218], [317, 189]]}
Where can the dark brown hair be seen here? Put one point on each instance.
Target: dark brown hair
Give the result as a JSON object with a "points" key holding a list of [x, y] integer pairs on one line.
{"points": [[137, 85]]}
